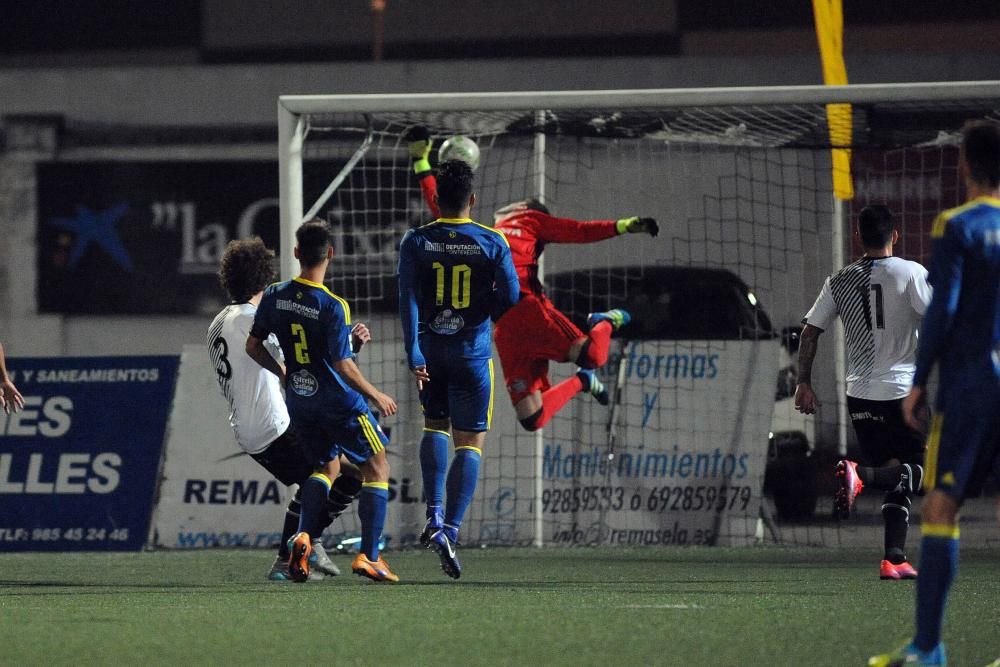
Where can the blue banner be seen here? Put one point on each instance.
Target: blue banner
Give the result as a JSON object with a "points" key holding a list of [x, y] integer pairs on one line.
{"points": [[78, 464], [147, 237]]}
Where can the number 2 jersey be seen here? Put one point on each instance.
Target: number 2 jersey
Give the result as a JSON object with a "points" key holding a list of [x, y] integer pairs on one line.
{"points": [[454, 275], [881, 301], [313, 327], [257, 409]]}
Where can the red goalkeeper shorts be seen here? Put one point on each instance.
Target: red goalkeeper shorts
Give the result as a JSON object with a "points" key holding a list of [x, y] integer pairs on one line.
{"points": [[527, 337]]}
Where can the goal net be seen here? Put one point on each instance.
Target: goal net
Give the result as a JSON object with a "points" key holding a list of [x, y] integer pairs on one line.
{"points": [[700, 444]]}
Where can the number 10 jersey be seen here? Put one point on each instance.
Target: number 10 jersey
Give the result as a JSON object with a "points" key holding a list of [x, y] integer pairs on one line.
{"points": [[454, 275]]}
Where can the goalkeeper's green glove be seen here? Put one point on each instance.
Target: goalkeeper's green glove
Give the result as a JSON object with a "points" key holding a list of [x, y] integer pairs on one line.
{"points": [[637, 225], [420, 149]]}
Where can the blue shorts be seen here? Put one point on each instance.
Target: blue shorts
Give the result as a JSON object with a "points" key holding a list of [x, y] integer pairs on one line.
{"points": [[963, 448], [358, 436], [460, 390]]}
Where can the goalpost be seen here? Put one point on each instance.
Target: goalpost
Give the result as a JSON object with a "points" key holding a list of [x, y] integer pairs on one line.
{"points": [[739, 179]]}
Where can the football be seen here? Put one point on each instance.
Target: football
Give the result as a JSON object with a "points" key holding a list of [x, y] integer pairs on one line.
{"points": [[462, 148]]}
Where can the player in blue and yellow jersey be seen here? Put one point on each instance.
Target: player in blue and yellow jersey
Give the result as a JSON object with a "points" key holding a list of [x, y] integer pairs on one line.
{"points": [[961, 330], [326, 395], [455, 275]]}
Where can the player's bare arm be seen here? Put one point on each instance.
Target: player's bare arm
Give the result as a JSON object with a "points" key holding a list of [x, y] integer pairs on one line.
{"points": [[806, 400], [422, 376], [359, 336], [419, 146], [916, 411], [10, 398], [256, 350], [638, 225], [351, 374]]}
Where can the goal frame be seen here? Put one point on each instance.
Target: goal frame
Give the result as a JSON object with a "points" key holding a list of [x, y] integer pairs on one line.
{"points": [[292, 108], [292, 130]]}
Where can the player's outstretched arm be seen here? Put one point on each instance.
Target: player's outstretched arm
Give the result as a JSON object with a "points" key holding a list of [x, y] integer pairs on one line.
{"points": [[637, 225], [419, 145], [351, 374], [10, 398], [567, 230], [806, 400]]}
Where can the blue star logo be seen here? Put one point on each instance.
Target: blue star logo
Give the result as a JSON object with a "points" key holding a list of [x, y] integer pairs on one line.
{"points": [[97, 227]]}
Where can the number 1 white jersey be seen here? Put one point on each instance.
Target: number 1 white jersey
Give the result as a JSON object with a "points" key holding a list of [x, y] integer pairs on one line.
{"points": [[881, 301], [257, 407]]}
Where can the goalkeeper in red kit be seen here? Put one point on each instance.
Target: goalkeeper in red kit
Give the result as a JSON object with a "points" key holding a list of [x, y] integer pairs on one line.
{"points": [[533, 332]]}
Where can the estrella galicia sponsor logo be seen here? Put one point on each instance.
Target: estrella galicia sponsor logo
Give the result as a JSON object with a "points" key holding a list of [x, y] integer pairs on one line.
{"points": [[447, 323], [303, 383]]}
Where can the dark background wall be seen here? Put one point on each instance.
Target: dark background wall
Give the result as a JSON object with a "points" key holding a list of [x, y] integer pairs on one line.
{"points": [[227, 31]]}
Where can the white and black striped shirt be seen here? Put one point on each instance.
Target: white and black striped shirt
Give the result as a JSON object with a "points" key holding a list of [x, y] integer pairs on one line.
{"points": [[257, 407], [881, 301]]}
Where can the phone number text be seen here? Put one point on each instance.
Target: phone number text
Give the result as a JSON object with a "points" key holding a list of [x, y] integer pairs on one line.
{"points": [[658, 499]]}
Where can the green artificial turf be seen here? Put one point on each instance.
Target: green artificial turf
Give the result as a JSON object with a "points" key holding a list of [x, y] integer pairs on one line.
{"points": [[754, 606]]}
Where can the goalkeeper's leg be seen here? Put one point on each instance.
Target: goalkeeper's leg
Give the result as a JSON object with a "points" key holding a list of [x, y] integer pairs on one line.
{"points": [[525, 360], [537, 408], [592, 350]]}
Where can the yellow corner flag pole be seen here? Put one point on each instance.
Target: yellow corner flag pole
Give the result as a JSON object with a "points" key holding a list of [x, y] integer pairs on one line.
{"points": [[829, 19]]}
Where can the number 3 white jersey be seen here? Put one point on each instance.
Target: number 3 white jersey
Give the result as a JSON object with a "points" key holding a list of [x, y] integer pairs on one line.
{"points": [[257, 407], [881, 301]]}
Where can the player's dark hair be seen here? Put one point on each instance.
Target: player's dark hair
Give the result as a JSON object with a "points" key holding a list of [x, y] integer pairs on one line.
{"points": [[532, 204], [875, 225], [313, 240], [454, 185], [981, 151], [246, 268], [535, 205]]}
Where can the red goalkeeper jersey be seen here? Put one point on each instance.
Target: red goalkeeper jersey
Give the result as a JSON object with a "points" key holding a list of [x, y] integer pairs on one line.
{"points": [[529, 231]]}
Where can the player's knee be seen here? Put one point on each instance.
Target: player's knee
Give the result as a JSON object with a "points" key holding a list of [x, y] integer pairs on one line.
{"points": [[591, 356], [897, 500], [345, 485], [376, 469], [530, 423], [443, 425], [295, 502], [939, 507], [914, 477]]}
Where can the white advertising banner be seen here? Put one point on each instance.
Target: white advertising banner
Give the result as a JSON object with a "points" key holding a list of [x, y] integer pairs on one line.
{"points": [[687, 466], [211, 493], [690, 446]]}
